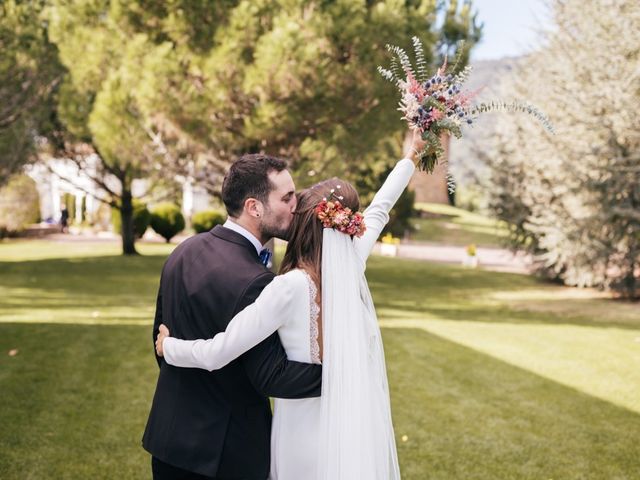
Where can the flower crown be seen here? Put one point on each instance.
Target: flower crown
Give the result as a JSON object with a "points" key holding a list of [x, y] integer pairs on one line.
{"points": [[333, 215]]}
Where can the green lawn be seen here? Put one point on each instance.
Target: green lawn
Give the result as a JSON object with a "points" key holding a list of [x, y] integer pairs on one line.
{"points": [[454, 226], [493, 376]]}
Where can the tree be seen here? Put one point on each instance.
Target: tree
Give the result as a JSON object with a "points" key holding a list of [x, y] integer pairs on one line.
{"points": [[291, 78], [141, 219], [29, 75], [103, 105], [157, 89], [317, 99], [573, 199]]}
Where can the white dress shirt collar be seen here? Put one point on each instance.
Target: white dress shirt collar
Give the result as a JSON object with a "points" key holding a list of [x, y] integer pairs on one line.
{"points": [[231, 225]]}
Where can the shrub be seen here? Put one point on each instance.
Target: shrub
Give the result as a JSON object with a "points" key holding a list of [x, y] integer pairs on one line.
{"points": [[141, 219], [19, 205], [207, 219], [167, 220]]}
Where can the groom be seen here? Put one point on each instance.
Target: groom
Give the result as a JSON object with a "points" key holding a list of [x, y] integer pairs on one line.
{"points": [[217, 425]]}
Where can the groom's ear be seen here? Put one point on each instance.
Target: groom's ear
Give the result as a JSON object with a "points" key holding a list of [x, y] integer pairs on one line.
{"points": [[253, 207]]}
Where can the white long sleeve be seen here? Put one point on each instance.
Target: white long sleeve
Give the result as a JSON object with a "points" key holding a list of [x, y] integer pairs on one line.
{"points": [[376, 215], [249, 327]]}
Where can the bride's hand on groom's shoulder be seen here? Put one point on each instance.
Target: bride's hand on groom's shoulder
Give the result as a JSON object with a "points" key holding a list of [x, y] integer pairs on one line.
{"points": [[164, 333]]}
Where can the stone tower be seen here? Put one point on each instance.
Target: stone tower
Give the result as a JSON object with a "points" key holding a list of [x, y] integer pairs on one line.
{"points": [[432, 188]]}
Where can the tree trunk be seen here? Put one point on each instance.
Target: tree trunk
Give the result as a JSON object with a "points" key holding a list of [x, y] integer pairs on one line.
{"points": [[126, 214]]}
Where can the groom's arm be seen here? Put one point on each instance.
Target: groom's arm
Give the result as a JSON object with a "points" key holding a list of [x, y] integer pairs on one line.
{"points": [[267, 366]]}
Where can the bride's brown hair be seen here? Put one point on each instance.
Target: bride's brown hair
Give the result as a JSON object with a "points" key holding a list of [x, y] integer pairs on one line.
{"points": [[305, 235]]}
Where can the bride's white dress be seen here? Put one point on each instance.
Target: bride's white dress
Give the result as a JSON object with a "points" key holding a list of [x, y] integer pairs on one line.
{"points": [[294, 445], [289, 306]]}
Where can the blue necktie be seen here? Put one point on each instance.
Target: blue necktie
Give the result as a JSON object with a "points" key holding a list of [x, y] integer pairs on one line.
{"points": [[265, 256]]}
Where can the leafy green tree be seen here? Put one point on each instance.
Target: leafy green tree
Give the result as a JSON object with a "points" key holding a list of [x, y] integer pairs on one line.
{"points": [[305, 76], [291, 78], [460, 26], [158, 89], [573, 199], [29, 75], [102, 104]]}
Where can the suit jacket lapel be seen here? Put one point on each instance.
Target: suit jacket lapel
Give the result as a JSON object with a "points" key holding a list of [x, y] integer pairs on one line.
{"points": [[233, 237]]}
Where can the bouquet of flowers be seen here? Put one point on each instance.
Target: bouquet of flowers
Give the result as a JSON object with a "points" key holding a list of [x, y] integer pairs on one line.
{"points": [[436, 105]]}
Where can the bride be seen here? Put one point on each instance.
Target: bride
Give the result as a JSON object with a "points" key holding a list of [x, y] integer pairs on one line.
{"points": [[321, 307]]}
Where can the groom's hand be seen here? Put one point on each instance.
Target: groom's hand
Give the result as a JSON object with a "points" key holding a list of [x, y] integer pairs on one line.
{"points": [[164, 333]]}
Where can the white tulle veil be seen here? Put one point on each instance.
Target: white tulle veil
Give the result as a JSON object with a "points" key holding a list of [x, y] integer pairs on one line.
{"points": [[356, 432]]}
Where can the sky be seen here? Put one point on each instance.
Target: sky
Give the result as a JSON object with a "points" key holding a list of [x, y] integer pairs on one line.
{"points": [[509, 27]]}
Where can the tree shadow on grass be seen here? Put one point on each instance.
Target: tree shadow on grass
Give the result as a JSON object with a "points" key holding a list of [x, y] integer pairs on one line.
{"points": [[468, 415], [78, 285], [404, 289], [117, 287], [76, 397], [498, 314]]}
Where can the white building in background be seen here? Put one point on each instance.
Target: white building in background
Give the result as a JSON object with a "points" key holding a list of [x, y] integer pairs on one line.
{"points": [[53, 188], [195, 198], [50, 176]]}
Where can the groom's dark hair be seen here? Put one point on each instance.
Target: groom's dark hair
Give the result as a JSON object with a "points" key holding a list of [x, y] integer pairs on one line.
{"points": [[248, 177]]}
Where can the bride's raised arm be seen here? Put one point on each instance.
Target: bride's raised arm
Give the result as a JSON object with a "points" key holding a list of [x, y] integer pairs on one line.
{"points": [[376, 216], [247, 328]]}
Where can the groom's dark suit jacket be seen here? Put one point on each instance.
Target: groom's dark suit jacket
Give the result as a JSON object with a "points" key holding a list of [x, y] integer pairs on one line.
{"points": [[218, 424]]}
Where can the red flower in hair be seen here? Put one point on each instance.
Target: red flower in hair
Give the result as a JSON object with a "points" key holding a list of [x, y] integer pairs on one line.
{"points": [[333, 215]]}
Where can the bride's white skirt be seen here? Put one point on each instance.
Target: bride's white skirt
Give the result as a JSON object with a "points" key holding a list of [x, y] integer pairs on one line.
{"points": [[294, 439]]}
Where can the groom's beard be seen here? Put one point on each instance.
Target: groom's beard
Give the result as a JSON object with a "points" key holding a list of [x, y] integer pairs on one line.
{"points": [[275, 228]]}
